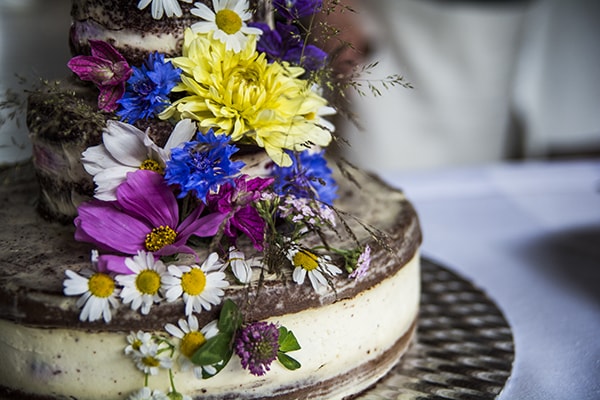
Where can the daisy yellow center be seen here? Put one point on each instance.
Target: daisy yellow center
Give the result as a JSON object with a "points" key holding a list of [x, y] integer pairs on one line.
{"points": [[152, 165], [228, 21], [150, 361], [148, 282], [137, 344], [193, 282], [159, 238], [101, 285], [306, 260], [191, 342]]}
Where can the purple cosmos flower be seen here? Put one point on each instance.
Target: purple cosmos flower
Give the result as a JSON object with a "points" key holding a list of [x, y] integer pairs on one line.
{"points": [[145, 216], [202, 165], [284, 43], [234, 200], [307, 177], [107, 69], [257, 345], [295, 9], [147, 91]]}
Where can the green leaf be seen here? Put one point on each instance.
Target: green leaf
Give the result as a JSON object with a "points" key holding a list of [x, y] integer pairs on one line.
{"points": [[287, 361], [230, 319], [218, 368], [215, 350], [287, 341]]}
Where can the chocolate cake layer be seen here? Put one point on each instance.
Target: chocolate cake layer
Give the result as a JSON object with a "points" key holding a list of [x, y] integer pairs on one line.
{"points": [[133, 32]]}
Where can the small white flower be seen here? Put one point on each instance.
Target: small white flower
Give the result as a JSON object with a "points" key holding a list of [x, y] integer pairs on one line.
{"points": [[169, 7], [149, 359], [142, 287], [200, 286], [316, 267], [146, 393], [190, 340], [136, 340], [227, 22], [98, 294], [126, 149], [240, 266]]}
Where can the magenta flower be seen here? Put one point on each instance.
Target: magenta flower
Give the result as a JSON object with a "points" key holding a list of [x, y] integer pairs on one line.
{"points": [[145, 216], [234, 202], [107, 69]]}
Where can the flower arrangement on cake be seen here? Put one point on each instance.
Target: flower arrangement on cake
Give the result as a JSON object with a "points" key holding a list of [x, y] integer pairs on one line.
{"points": [[236, 84]]}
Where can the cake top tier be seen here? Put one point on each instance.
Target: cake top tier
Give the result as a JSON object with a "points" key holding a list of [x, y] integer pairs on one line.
{"points": [[136, 29]]}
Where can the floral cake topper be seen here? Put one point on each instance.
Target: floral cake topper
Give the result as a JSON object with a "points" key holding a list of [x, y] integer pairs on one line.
{"points": [[235, 84]]}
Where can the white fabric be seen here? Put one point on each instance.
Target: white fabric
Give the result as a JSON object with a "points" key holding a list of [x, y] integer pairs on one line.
{"points": [[474, 65], [528, 234], [557, 92], [460, 58]]}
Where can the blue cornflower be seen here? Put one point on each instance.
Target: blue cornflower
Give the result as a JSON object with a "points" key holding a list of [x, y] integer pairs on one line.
{"points": [[147, 90], [307, 177], [202, 165], [284, 43], [295, 9]]}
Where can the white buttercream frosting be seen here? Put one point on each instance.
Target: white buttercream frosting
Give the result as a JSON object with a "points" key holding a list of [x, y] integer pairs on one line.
{"points": [[335, 339]]}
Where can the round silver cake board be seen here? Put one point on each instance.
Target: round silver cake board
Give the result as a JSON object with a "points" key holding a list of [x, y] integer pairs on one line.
{"points": [[464, 347]]}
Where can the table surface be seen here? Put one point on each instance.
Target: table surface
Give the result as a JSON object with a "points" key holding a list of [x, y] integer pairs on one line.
{"points": [[528, 234]]}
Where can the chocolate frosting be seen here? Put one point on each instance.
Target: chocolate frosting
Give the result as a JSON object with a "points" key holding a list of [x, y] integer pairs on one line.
{"points": [[34, 254]]}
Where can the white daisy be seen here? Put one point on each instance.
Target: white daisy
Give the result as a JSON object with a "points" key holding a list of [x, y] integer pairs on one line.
{"points": [[142, 288], [190, 340], [149, 359], [169, 7], [98, 294], [125, 149], [316, 267], [136, 340], [200, 286], [240, 266], [146, 393], [227, 22]]}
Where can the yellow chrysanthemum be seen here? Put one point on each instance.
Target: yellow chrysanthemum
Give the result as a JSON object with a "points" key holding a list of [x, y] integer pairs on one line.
{"points": [[243, 96]]}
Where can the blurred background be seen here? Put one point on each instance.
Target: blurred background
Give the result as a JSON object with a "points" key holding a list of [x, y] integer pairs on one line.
{"points": [[492, 80], [33, 45]]}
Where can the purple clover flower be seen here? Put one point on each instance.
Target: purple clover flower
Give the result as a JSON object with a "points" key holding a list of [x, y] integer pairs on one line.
{"points": [[257, 345], [296, 9], [235, 200], [308, 177], [284, 43], [107, 69], [202, 165], [147, 91], [145, 216]]}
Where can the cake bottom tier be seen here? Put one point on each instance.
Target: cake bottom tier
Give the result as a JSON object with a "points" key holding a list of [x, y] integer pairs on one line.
{"points": [[348, 346]]}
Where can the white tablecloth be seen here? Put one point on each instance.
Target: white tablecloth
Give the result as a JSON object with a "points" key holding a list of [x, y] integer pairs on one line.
{"points": [[528, 234]]}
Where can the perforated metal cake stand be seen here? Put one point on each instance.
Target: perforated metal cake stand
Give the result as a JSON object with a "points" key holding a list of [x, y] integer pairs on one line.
{"points": [[464, 348]]}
